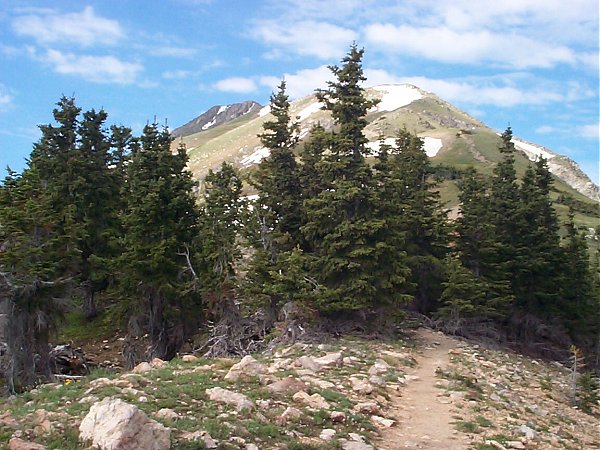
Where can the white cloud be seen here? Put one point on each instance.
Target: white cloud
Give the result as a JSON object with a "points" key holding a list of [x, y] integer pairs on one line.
{"points": [[591, 131], [311, 38], [178, 74], [98, 69], [238, 85], [496, 91], [471, 47], [83, 28], [301, 83]]}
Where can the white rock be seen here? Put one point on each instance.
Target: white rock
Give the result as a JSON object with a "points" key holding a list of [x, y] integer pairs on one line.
{"points": [[113, 424], [246, 369], [382, 421], [313, 401], [379, 367], [142, 367], [306, 362], [327, 434], [330, 360], [189, 358], [239, 401], [167, 413]]}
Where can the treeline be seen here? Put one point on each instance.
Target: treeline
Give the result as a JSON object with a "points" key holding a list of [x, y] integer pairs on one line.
{"points": [[99, 212]]}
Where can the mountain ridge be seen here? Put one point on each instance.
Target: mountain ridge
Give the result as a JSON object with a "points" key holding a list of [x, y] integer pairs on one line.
{"points": [[464, 139]]}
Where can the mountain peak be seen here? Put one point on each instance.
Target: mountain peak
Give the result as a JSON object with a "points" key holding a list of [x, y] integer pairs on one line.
{"points": [[215, 116]]}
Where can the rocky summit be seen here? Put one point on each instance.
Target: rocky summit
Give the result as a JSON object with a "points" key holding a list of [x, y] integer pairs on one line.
{"points": [[429, 391]]}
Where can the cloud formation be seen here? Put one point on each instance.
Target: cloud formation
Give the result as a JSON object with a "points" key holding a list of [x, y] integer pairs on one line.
{"points": [[83, 28], [98, 69], [239, 85]]}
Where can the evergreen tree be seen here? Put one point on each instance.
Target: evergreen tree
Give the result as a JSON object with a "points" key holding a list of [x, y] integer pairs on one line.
{"points": [[342, 228], [33, 276], [422, 220], [579, 294], [277, 178], [220, 222], [160, 223]]}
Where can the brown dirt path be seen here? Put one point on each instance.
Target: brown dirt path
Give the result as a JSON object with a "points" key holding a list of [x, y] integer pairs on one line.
{"points": [[423, 421]]}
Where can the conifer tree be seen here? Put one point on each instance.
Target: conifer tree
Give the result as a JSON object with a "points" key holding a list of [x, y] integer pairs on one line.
{"points": [[342, 230], [221, 219], [160, 223], [34, 276], [277, 178], [422, 219]]}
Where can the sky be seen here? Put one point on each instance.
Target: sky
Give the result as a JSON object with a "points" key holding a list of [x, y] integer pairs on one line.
{"points": [[532, 64]]}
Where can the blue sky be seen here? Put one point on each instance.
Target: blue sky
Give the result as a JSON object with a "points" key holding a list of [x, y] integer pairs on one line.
{"points": [[530, 63]]}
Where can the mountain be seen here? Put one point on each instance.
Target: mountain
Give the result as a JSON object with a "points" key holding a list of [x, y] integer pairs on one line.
{"points": [[216, 116], [451, 136]]}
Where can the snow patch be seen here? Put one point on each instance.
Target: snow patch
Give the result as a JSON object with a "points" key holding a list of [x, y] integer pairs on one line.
{"points": [[376, 145], [395, 96], [264, 110], [206, 126], [222, 109], [259, 154], [309, 110], [431, 146], [532, 151]]}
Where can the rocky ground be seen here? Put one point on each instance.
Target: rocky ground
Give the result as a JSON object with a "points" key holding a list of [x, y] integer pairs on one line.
{"points": [[429, 392]]}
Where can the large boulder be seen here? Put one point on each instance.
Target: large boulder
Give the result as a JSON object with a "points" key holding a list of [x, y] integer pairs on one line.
{"points": [[113, 424], [16, 443]]}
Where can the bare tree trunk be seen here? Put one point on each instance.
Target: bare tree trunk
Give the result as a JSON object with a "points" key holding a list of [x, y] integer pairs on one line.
{"points": [[89, 302]]}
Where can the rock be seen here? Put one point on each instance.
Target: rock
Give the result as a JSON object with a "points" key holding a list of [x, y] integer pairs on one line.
{"points": [[327, 434], [350, 361], [515, 444], [382, 421], [289, 385], [495, 444], [315, 401], [113, 424], [376, 380], [239, 401], [527, 431], [306, 362], [203, 436], [495, 397], [16, 443], [361, 386], [337, 416], [167, 413], [158, 363], [455, 351], [100, 383], [251, 447], [142, 367], [367, 408], [245, 370], [189, 358], [42, 424], [321, 384], [379, 367], [330, 360], [289, 413], [7, 419], [355, 445]]}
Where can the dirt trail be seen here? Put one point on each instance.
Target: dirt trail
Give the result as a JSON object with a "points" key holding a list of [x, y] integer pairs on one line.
{"points": [[423, 421]]}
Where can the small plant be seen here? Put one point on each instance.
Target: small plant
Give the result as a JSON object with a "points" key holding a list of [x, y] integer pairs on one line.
{"points": [[482, 421], [467, 427]]}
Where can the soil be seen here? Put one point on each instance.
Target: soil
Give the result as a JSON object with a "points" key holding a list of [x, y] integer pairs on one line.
{"points": [[423, 421]]}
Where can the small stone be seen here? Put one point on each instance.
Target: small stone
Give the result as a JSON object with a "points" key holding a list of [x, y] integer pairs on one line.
{"points": [[382, 421], [315, 401], [142, 367], [376, 380], [306, 362], [16, 443], [527, 431], [367, 408], [289, 385], [251, 447], [167, 413], [330, 360], [327, 434], [337, 416], [515, 444], [157, 363], [245, 370], [189, 358]]}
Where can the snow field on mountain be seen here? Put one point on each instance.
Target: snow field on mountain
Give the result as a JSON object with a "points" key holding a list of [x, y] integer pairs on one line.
{"points": [[533, 152], [395, 96]]}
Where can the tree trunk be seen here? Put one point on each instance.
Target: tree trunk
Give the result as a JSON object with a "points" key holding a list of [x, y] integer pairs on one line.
{"points": [[89, 302]]}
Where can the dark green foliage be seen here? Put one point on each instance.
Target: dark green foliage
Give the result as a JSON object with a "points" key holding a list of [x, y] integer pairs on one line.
{"points": [[33, 276], [277, 178], [588, 392], [220, 222], [349, 261], [160, 224]]}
